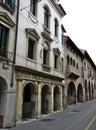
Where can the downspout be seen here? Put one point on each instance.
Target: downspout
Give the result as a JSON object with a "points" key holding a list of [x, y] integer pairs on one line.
{"points": [[15, 47]]}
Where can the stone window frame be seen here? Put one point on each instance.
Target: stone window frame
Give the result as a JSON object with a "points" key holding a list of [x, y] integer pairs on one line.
{"points": [[57, 58], [32, 34]]}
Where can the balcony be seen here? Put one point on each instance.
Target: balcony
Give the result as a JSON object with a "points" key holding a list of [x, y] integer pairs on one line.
{"points": [[72, 72]]}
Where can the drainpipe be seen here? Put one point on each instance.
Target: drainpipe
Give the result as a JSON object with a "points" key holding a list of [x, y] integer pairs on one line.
{"points": [[14, 56]]}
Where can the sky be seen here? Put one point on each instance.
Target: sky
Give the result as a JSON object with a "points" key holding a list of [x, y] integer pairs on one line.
{"points": [[80, 24]]}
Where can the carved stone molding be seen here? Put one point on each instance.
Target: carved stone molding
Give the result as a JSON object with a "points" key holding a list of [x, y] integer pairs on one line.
{"points": [[6, 19]]}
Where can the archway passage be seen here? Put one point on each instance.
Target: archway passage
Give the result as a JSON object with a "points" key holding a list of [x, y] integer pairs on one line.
{"points": [[45, 98], [86, 91], [56, 98], [92, 92], [89, 87], [29, 101], [79, 94], [3, 87], [71, 94]]}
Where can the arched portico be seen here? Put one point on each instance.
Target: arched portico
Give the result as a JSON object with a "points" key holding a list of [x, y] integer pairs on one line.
{"points": [[56, 98], [89, 87], [29, 101], [45, 99], [80, 93], [71, 93], [86, 91], [92, 91], [3, 87]]}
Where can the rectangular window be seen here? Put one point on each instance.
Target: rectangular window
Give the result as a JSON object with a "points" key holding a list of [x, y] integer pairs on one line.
{"points": [[3, 40], [11, 3], [33, 7], [62, 64], [31, 49], [56, 61], [46, 18], [45, 57], [62, 39]]}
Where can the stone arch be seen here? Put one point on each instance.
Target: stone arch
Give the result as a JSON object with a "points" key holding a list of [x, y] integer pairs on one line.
{"points": [[45, 99], [29, 100], [89, 87], [86, 91], [30, 82], [47, 14], [47, 8], [56, 26], [71, 93], [92, 91], [63, 97], [3, 88], [56, 101], [80, 93]]}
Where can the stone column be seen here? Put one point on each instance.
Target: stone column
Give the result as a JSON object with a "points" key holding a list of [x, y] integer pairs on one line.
{"points": [[51, 99], [19, 102], [61, 98], [39, 101]]}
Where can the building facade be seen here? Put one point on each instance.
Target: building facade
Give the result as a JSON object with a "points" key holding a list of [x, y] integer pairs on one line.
{"points": [[8, 12], [73, 73], [89, 70], [41, 70], [39, 59]]}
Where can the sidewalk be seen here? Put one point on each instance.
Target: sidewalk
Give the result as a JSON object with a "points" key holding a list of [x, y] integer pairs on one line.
{"points": [[3, 129]]}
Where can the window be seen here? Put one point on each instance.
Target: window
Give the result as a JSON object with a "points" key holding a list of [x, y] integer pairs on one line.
{"points": [[56, 61], [62, 39], [62, 65], [76, 65], [46, 18], [67, 60], [3, 40], [56, 28], [33, 7], [11, 3], [46, 54], [31, 49], [71, 61]]}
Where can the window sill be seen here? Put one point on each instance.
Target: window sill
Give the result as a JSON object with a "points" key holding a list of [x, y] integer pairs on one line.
{"points": [[46, 67], [31, 60]]}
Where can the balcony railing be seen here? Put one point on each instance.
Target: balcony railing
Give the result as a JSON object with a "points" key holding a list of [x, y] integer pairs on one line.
{"points": [[72, 72]]}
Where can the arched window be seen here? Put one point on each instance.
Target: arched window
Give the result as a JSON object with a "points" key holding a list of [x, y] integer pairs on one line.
{"points": [[46, 54], [67, 60], [46, 17], [33, 7], [56, 27]]}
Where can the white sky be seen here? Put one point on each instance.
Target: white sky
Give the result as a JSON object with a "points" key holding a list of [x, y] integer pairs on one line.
{"points": [[80, 24]]}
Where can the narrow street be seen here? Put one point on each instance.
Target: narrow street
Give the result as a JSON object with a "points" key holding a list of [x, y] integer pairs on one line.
{"points": [[76, 117]]}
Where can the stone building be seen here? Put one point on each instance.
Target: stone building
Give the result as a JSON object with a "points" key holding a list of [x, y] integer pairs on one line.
{"points": [[41, 70], [73, 73], [39, 59], [89, 70], [7, 43]]}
